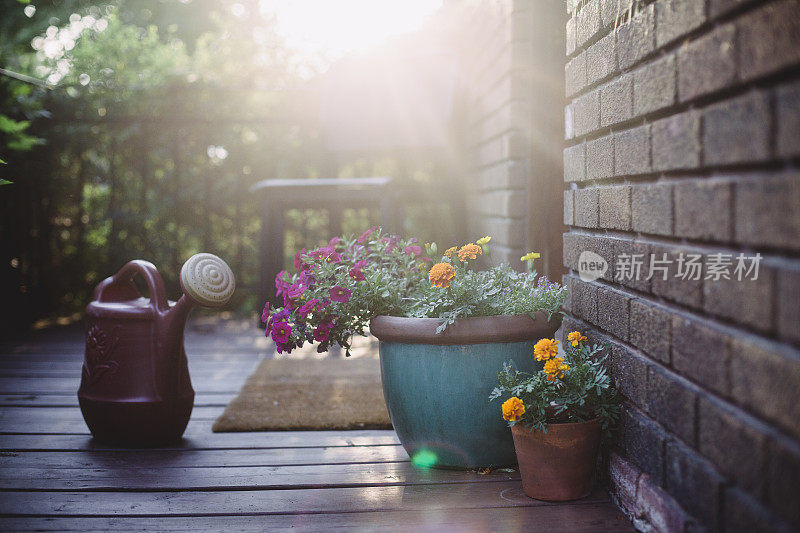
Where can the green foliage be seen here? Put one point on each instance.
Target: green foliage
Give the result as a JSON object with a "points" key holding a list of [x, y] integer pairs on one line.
{"points": [[500, 290], [585, 391]]}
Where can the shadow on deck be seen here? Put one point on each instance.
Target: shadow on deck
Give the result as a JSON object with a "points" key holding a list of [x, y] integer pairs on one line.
{"points": [[55, 477]]}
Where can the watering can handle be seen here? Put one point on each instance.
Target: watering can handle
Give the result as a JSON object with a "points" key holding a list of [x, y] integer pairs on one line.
{"points": [[120, 287]]}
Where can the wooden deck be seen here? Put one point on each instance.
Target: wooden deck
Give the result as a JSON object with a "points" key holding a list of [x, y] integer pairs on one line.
{"points": [[53, 476]]}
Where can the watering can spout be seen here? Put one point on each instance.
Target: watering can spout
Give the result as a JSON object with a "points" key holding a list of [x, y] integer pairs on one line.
{"points": [[207, 281]]}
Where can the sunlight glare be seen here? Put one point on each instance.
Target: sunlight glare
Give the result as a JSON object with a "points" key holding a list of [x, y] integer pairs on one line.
{"points": [[345, 25]]}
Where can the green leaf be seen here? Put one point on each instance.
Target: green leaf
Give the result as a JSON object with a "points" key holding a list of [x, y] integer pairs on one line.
{"points": [[5, 182], [11, 126]]}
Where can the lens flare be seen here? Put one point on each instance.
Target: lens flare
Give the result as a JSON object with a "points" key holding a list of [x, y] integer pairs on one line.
{"points": [[424, 459]]}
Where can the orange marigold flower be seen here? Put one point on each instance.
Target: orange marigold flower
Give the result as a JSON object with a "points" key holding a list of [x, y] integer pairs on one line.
{"points": [[441, 274], [450, 252], [575, 337], [554, 368], [513, 408], [545, 349], [469, 251]]}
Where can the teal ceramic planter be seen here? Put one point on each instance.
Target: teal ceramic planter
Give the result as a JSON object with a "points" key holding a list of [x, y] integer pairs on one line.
{"points": [[437, 386]]}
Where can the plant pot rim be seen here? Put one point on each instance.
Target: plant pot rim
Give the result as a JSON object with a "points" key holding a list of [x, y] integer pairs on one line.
{"points": [[519, 428], [474, 330]]}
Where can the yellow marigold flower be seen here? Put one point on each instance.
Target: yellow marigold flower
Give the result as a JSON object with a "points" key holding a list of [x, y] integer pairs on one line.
{"points": [[545, 349], [513, 408], [469, 251], [441, 275], [575, 337], [530, 256], [484, 240], [450, 252], [554, 368]]}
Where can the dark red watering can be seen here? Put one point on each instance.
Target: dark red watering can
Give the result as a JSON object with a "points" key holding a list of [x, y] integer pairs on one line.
{"points": [[135, 388]]}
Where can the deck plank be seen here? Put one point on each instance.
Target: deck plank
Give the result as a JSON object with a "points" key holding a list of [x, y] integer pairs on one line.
{"points": [[198, 436], [434, 496], [586, 518], [203, 458], [96, 477]]}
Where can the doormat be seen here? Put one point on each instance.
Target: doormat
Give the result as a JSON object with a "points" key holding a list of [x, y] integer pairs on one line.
{"points": [[309, 394]]}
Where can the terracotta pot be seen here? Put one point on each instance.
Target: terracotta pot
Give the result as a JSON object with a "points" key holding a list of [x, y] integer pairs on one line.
{"points": [[557, 465], [437, 386]]}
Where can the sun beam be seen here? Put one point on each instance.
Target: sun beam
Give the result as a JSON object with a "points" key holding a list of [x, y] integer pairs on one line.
{"points": [[341, 26]]}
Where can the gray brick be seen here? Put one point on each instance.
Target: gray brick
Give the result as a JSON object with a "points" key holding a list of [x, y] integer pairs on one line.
{"points": [[571, 36], [584, 300], [611, 10], [573, 245], [566, 282], [676, 18], [637, 37], [586, 207], [615, 207], [616, 101], [568, 208], [767, 211], [707, 64], [701, 354], [787, 114], [625, 249], [586, 113], [504, 231], [768, 39], [676, 142], [747, 301], [569, 122], [765, 378], [644, 443], [651, 209], [703, 209], [656, 510], [787, 291], [632, 151], [694, 483], [602, 246], [600, 158], [672, 403], [612, 312], [575, 74], [654, 86], [742, 514], [733, 444], [684, 281], [587, 22], [601, 59], [784, 478], [651, 330], [575, 163], [737, 130], [630, 371]]}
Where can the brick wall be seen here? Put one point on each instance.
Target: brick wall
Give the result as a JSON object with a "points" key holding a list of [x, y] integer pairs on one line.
{"points": [[512, 132], [683, 137]]}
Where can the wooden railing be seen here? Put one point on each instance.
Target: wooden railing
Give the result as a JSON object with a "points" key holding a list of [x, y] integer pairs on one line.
{"points": [[333, 195]]}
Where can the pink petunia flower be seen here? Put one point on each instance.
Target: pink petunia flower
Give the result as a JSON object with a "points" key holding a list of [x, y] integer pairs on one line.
{"points": [[281, 332], [340, 294], [280, 283], [414, 250], [309, 307]]}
